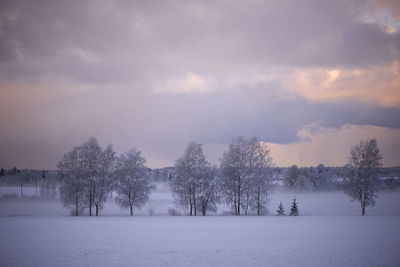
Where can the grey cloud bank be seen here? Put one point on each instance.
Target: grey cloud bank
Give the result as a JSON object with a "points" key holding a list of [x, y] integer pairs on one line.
{"points": [[70, 71]]}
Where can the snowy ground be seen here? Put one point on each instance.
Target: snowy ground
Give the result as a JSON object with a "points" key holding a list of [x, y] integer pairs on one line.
{"points": [[330, 232]]}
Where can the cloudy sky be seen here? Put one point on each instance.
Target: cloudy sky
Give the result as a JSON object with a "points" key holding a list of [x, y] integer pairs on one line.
{"points": [[311, 78]]}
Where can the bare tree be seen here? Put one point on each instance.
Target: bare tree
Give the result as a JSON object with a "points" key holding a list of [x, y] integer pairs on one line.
{"points": [[133, 186], [361, 182]]}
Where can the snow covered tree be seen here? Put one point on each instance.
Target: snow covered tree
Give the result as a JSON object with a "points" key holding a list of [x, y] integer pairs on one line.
{"points": [[72, 190], [91, 159], [294, 210], [291, 177], [260, 174], [133, 185], [245, 176], [208, 185], [361, 182], [281, 210], [233, 173], [103, 181], [194, 185], [48, 186], [88, 167]]}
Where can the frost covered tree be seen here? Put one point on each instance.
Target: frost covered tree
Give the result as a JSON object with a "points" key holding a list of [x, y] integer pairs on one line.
{"points": [[194, 185], [133, 186], [91, 159], [361, 182], [291, 178], [48, 186], [72, 190], [318, 177], [86, 172], [281, 210], [294, 210], [233, 172], [103, 181], [208, 196], [245, 176], [260, 174]]}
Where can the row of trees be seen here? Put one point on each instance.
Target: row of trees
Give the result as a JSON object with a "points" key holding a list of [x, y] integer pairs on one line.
{"points": [[90, 173], [243, 180]]}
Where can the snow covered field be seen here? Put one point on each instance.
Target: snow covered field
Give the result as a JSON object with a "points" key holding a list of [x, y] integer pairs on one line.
{"points": [[330, 232]]}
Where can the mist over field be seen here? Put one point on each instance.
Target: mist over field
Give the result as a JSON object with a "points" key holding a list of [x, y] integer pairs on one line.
{"points": [[42, 232]]}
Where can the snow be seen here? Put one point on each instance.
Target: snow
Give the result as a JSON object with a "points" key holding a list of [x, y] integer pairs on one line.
{"points": [[329, 232], [200, 241]]}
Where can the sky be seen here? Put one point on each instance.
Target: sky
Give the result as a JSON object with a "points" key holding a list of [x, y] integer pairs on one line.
{"points": [[310, 78]]}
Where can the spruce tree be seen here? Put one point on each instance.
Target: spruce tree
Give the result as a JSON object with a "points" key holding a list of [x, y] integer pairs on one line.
{"points": [[294, 211], [281, 210]]}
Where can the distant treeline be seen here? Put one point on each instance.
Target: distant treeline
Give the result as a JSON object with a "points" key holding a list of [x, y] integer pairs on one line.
{"points": [[331, 175]]}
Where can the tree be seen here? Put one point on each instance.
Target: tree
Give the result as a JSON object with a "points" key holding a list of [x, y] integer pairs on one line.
{"points": [[233, 171], [294, 210], [260, 183], [208, 196], [281, 210], [244, 173], [86, 175], [103, 181], [361, 182], [72, 190], [194, 184], [91, 160], [48, 188], [133, 187], [291, 177]]}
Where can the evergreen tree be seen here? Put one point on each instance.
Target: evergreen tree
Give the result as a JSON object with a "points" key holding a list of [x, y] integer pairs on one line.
{"points": [[281, 210], [294, 211]]}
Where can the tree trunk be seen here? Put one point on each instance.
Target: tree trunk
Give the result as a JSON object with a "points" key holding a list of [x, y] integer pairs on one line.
{"points": [[234, 202], [131, 208], [238, 206], [97, 210], [247, 203], [190, 202], [258, 202], [195, 205], [90, 204], [21, 190], [76, 206], [363, 208]]}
